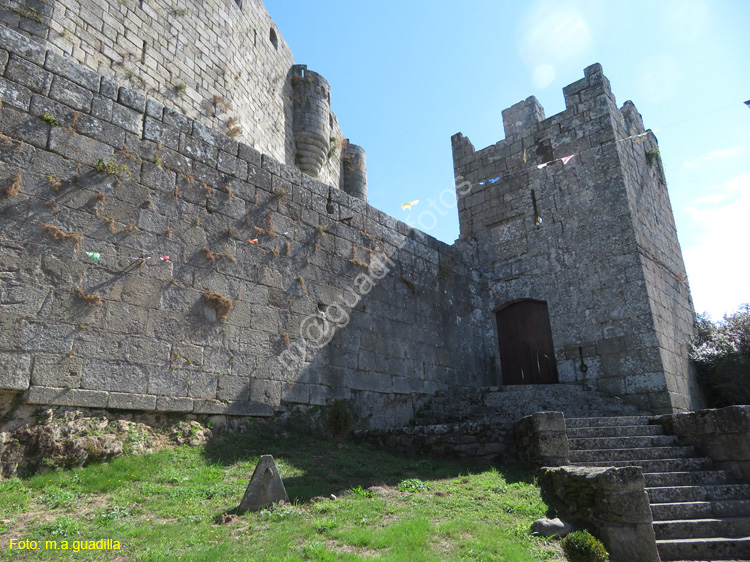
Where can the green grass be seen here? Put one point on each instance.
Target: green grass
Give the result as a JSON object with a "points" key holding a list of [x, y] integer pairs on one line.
{"points": [[164, 506]]}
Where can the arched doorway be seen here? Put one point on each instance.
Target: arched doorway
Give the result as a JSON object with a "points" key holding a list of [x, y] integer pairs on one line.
{"points": [[527, 354]]}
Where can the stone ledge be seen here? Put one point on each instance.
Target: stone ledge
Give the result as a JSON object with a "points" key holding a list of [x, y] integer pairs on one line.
{"points": [[613, 501]]}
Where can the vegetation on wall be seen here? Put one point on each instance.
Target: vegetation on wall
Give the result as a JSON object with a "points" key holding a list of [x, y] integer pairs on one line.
{"points": [[721, 354]]}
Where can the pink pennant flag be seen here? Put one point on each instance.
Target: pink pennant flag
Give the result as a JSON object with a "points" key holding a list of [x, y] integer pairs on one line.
{"points": [[566, 159]]}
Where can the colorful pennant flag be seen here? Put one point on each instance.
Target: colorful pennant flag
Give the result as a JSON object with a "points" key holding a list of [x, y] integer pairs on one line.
{"points": [[94, 255], [409, 205]]}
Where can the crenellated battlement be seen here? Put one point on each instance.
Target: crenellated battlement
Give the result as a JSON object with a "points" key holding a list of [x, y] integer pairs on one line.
{"points": [[577, 202]]}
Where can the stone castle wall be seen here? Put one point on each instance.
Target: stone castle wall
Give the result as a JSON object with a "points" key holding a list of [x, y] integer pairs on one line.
{"points": [[244, 179], [98, 182], [221, 62], [593, 237]]}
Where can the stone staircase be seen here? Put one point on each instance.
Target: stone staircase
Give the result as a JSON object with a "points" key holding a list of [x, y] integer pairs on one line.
{"points": [[699, 513], [514, 402], [478, 423]]}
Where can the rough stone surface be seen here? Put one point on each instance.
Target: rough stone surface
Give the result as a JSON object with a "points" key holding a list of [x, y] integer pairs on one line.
{"points": [[721, 434], [331, 298], [611, 500], [70, 438], [551, 527], [265, 487], [541, 439]]}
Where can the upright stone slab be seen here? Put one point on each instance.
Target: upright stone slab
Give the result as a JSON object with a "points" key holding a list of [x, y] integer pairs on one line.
{"points": [[265, 486]]}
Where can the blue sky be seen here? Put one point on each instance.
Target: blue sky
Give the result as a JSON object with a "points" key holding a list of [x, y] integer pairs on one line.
{"points": [[405, 76]]}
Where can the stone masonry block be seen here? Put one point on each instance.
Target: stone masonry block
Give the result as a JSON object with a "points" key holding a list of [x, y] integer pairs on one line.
{"points": [[210, 407], [14, 94], [154, 109], [108, 88], [240, 408], [160, 132], [15, 373], [369, 380], [548, 421], [202, 385], [127, 118], [62, 371], [198, 150], [146, 351], [296, 393], [173, 404], [14, 42], [29, 75], [72, 71], [264, 391], [123, 401], [77, 147], [99, 375], [178, 120], [70, 94], [132, 99], [232, 387], [168, 382], [24, 127], [64, 397]]}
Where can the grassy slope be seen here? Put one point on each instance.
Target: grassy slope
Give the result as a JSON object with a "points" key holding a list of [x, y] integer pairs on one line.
{"points": [[164, 507]]}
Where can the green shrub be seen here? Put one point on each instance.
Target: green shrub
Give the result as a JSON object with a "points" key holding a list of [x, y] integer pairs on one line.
{"points": [[339, 419], [721, 354], [412, 485], [581, 546]]}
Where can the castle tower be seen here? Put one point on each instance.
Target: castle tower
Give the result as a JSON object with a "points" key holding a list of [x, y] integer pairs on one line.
{"points": [[574, 228], [355, 171], [312, 119]]}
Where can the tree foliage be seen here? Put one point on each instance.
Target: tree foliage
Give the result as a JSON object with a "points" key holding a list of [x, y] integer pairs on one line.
{"points": [[721, 353]]}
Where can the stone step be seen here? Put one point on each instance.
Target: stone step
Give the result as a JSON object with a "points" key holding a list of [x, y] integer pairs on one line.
{"points": [[692, 478], [588, 456], [661, 465], [674, 494], [637, 442], [702, 528], [488, 417], [489, 414], [624, 431], [717, 548], [614, 421], [700, 510]]}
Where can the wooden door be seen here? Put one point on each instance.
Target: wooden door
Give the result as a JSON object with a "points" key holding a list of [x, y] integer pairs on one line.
{"points": [[527, 354]]}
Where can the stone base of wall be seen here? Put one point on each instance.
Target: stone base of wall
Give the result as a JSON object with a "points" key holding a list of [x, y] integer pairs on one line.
{"points": [[477, 441], [723, 435]]}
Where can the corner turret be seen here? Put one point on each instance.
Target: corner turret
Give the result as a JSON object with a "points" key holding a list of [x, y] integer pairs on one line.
{"points": [[312, 119], [355, 171]]}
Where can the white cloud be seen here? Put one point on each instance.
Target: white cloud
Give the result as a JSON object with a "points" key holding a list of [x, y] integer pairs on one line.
{"points": [[716, 155], [719, 265]]}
